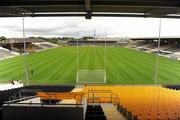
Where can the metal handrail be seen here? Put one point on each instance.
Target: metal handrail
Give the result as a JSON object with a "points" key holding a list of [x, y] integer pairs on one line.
{"points": [[93, 94], [18, 100], [94, 99], [41, 104], [11, 97], [14, 97], [113, 97]]}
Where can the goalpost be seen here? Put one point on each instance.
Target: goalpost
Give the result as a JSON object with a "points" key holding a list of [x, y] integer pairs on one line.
{"points": [[89, 76]]}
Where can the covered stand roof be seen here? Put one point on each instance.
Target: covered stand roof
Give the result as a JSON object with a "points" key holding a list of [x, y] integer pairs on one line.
{"points": [[157, 38], [88, 8]]}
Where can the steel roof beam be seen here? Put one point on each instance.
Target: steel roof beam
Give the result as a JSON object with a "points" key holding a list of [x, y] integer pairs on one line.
{"points": [[14, 11], [93, 2], [41, 8], [161, 12], [88, 9], [94, 15], [88, 5]]}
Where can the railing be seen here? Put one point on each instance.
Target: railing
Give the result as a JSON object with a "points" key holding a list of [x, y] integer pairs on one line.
{"points": [[19, 100], [103, 96], [17, 95], [92, 96], [61, 95], [94, 100]]}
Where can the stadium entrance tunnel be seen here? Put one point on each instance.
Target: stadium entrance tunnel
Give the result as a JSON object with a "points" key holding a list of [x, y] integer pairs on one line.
{"points": [[91, 102]]}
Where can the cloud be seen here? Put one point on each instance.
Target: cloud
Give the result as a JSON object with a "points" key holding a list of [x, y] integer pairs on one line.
{"points": [[76, 26]]}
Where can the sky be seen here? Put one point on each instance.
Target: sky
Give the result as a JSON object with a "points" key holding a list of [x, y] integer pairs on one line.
{"points": [[79, 27]]}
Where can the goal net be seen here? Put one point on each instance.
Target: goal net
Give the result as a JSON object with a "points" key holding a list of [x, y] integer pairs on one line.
{"points": [[91, 76]]}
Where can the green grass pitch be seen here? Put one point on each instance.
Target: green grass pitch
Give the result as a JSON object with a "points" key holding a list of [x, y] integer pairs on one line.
{"points": [[58, 66]]}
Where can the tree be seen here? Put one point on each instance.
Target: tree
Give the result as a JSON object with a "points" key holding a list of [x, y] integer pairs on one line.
{"points": [[87, 37], [2, 38]]}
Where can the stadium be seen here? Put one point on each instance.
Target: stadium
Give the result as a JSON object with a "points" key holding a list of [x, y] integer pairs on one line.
{"points": [[89, 77]]}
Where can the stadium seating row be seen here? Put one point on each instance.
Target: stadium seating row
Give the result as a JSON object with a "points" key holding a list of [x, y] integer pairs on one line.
{"points": [[146, 102], [174, 87]]}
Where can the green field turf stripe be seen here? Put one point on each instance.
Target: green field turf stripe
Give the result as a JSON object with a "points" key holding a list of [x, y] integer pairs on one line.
{"points": [[42, 62], [21, 67], [82, 63], [131, 63], [119, 73], [131, 69], [19, 64], [124, 66], [100, 54], [56, 64], [19, 59], [87, 59], [66, 69], [168, 70]]}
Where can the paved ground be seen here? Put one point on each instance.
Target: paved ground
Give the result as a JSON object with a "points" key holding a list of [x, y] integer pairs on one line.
{"points": [[111, 112]]}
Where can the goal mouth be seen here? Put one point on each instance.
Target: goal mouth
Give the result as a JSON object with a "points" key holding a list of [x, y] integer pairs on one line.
{"points": [[91, 77]]}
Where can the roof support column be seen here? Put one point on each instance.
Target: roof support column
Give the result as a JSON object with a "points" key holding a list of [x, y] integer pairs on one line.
{"points": [[88, 9]]}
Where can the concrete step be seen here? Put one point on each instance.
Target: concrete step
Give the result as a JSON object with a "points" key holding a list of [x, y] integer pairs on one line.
{"points": [[111, 112]]}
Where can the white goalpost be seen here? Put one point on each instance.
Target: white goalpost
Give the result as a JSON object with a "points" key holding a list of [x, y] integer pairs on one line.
{"points": [[89, 76]]}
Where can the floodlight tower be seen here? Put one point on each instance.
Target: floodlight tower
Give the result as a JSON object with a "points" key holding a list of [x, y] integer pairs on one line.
{"points": [[12, 45], [94, 33], [25, 51], [157, 56], [77, 50], [105, 56]]}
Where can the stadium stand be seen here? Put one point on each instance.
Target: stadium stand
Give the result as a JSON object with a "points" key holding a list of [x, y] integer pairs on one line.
{"points": [[174, 87], [134, 102], [47, 45], [152, 44], [37, 48], [146, 102], [44, 45], [33, 44], [173, 48], [167, 49], [21, 40], [92, 42], [4, 53]]}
